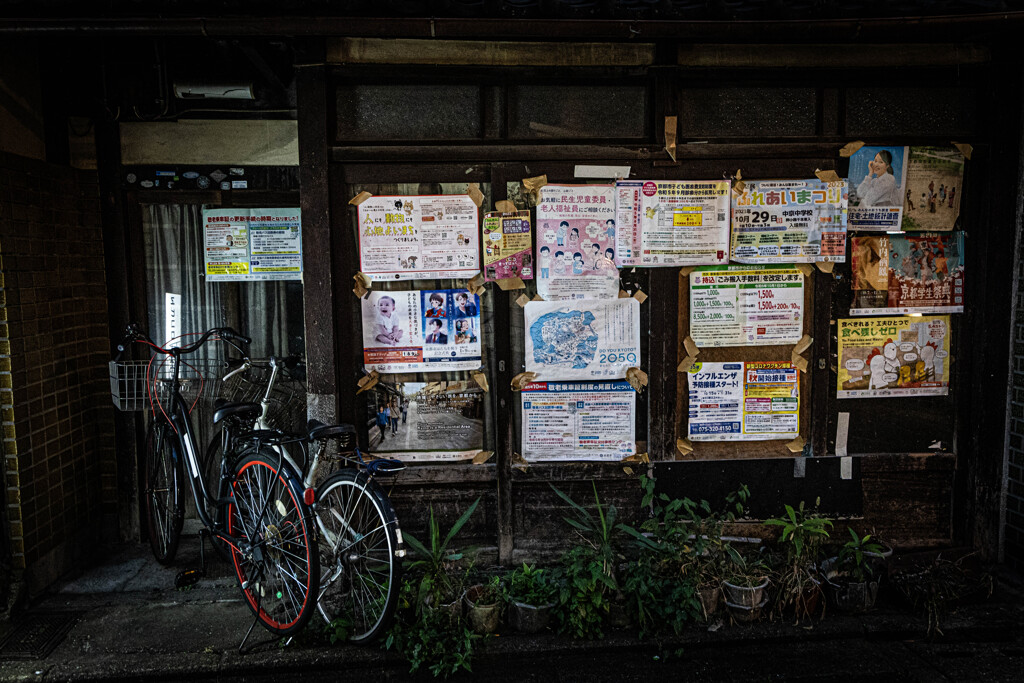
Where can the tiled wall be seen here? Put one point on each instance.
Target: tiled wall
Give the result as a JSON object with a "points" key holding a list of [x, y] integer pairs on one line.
{"points": [[59, 460]]}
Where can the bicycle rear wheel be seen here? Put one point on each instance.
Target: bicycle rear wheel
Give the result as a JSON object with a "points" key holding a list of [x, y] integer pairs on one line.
{"points": [[276, 560], [359, 540], [165, 505]]}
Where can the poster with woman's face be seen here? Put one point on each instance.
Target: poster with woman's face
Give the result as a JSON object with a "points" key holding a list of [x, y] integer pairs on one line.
{"points": [[877, 188]]}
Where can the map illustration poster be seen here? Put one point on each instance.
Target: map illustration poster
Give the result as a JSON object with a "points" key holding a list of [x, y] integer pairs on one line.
{"points": [[419, 237], [587, 339], [894, 274], [877, 187], [576, 242], [578, 421], [896, 356], [743, 401]]}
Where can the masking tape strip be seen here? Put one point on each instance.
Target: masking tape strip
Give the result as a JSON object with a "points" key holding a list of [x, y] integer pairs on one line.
{"points": [[670, 136], [523, 300], [684, 446], [482, 457], [363, 284], [519, 462], [637, 457], [800, 363], [368, 382], [628, 470], [522, 379], [640, 296], [850, 148], [799, 467], [473, 190], [825, 266], [534, 184], [360, 198], [842, 433], [481, 379], [827, 176], [686, 363], [476, 281], [805, 268], [623, 294], [510, 283], [686, 270], [637, 379], [537, 297], [505, 206], [846, 467], [965, 149], [804, 344], [796, 445], [690, 346], [738, 183]]}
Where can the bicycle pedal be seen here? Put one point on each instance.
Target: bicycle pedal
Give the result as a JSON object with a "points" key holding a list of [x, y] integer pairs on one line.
{"points": [[188, 577]]}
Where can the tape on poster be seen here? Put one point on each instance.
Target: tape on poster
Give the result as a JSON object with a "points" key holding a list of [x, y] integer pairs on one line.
{"points": [[363, 284], [842, 433], [506, 284], [670, 136], [523, 300], [522, 379], [965, 149], [738, 183], [805, 268], [360, 198], [850, 148], [827, 176], [796, 445], [505, 206], [368, 382], [519, 462], [684, 446], [825, 266], [482, 457], [481, 379], [637, 379], [640, 296], [476, 284], [473, 190], [533, 185]]}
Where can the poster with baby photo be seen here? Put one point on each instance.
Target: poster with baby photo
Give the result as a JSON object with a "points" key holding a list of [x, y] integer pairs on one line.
{"points": [[896, 356], [877, 187], [576, 243], [421, 331]]}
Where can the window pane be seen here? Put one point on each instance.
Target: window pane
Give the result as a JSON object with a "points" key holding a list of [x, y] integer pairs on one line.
{"points": [[409, 112], [584, 111], [747, 112]]}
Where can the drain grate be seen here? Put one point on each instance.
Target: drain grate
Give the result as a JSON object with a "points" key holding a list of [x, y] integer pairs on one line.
{"points": [[35, 635]]}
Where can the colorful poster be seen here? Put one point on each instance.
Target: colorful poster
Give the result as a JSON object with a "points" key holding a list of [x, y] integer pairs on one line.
{"points": [[578, 421], [672, 222], [508, 246], [421, 331], [898, 356], [746, 305], [588, 339], [877, 187], [419, 237], [252, 244], [907, 274], [789, 221], [743, 401], [934, 178], [426, 421], [576, 242]]}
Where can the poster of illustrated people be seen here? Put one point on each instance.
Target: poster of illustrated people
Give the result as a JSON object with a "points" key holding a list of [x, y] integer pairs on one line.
{"points": [[419, 237], [426, 421], [896, 356], [421, 331], [749, 401], [790, 221], [935, 176], [578, 420], [672, 222], [252, 244], [586, 340], [508, 246], [896, 274], [576, 242], [746, 305], [878, 185]]}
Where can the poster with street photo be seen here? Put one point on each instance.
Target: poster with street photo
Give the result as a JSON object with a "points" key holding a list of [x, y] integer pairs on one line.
{"points": [[421, 331], [878, 178], [895, 356], [576, 242], [898, 274], [935, 176], [426, 421]]}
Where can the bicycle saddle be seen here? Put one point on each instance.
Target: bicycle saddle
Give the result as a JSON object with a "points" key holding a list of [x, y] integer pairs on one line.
{"points": [[318, 430], [247, 412]]}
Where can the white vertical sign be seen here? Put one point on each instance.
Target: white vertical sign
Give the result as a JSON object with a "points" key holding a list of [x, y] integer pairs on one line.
{"points": [[172, 319]]}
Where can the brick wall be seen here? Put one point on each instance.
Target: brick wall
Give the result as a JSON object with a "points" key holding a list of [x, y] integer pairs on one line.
{"points": [[59, 459]]}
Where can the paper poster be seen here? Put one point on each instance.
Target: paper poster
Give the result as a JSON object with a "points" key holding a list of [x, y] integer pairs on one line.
{"points": [[877, 187], [252, 244], [508, 246], [934, 178], [426, 421], [789, 221], [421, 331], [576, 242], [586, 339], [578, 420], [895, 274], [743, 401], [896, 356], [746, 305], [419, 237], [672, 222]]}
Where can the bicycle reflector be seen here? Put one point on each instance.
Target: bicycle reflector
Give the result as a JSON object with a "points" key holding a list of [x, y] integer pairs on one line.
{"points": [[309, 496]]}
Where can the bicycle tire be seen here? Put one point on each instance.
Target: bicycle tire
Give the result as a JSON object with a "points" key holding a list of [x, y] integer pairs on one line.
{"points": [[362, 579], [165, 505], [279, 575]]}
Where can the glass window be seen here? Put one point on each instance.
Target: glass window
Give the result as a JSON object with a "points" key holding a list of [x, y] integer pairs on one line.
{"points": [[409, 112], [579, 111]]}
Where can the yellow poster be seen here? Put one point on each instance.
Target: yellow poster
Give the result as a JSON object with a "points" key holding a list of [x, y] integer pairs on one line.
{"points": [[897, 356]]}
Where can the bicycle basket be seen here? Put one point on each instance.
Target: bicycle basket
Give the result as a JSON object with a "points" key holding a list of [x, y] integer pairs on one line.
{"points": [[134, 383], [287, 401]]}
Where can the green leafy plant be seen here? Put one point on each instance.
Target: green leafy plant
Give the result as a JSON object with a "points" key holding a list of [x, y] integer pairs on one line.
{"points": [[804, 533], [440, 582], [936, 587], [663, 599], [488, 593], [852, 561], [430, 639], [531, 585]]}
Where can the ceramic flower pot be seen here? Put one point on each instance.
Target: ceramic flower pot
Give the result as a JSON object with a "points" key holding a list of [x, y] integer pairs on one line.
{"points": [[483, 617]]}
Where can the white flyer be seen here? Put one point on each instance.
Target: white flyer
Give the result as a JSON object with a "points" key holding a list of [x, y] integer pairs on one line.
{"points": [[419, 237], [878, 188], [743, 401], [746, 305], [578, 421], [252, 244], [672, 222], [586, 339], [576, 242]]}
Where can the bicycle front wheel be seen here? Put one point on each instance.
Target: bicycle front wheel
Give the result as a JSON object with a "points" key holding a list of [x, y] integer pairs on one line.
{"points": [[359, 543], [275, 554], [165, 506]]}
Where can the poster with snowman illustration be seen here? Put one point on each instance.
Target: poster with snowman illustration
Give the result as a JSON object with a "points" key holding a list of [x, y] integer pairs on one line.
{"points": [[897, 356]]}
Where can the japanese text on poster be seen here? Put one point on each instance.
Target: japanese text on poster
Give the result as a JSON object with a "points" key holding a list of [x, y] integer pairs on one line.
{"points": [[421, 330], [877, 186], [578, 420], [576, 242], [787, 221], [746, 305], [426, 421], [585, 339], [743, 401], [907, 274], [252, 244], [508, 246], [898, 356], [934, 178], [419, 237], [672, 222]]}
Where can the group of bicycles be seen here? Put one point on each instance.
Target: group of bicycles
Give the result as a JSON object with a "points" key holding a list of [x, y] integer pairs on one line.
{"points": [[299, 541]]}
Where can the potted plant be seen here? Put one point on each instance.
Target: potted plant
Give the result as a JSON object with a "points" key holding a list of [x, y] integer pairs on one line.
{"points": [[803, 534], [850, 576], [745, 585], [483, 605], [530, 594]]}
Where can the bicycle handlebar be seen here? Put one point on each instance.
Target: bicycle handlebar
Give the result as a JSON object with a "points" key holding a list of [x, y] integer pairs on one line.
{"points": [[134, 333]]}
